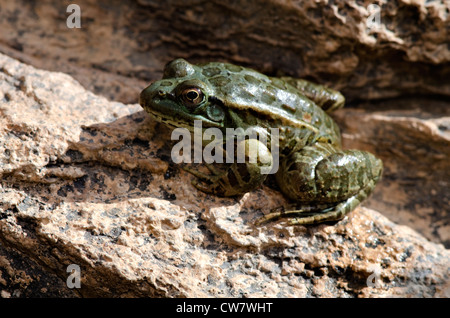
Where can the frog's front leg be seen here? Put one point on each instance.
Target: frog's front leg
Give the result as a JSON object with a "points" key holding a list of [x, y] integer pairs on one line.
{"points": [[326, 182], [237, 177]]}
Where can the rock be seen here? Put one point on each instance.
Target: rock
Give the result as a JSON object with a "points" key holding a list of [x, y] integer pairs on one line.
{"points": [[89, 182], [412, 137], [367, 50]]}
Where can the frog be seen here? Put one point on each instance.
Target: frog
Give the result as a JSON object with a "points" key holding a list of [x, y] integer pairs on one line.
{"points": [[322, 181]]}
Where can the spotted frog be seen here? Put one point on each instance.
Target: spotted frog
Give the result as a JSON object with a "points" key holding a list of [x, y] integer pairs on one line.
{"points": [[322, 181]]}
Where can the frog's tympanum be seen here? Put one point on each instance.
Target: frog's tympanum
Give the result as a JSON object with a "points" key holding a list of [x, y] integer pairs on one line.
{"points": [[323, 181]]}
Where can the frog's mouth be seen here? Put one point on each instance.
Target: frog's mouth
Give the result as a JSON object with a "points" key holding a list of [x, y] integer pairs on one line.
{"points": [[169, 121]]}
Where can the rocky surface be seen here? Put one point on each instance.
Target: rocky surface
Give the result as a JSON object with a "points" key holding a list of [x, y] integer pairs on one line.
{"points": [[346, 44], [412, 137], [89, 182]]}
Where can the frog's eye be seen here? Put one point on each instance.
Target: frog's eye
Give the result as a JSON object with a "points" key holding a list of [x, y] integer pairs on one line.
{"points": [[192, 97]]}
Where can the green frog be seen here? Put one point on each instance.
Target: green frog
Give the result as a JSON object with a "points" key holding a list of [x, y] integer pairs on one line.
{"points": [[323, 181]]}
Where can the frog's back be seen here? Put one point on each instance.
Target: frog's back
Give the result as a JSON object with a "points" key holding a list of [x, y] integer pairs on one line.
{"points": [[271, 99]]}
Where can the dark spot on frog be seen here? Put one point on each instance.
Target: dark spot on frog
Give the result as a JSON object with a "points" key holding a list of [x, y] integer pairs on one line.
{"points": [[270, 89], [233, 68], [165, 83], [252, 80], [267, 98], [219, 81], [211, 71], [288, 108], [244, 94], [278, 83]]}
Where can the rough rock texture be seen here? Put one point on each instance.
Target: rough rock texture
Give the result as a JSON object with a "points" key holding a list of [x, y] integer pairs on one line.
{"points": [[123, 45], [412, 136], [86, 181]]}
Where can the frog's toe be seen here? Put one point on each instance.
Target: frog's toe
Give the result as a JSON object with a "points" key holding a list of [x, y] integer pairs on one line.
{"points": [[202, 186], [318, 217], [268, 217], [200, 175], [213, 169], [212, 185], [297, 216]]}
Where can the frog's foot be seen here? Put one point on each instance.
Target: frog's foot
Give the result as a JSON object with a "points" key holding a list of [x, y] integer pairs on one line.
{"points": [[235, 180], [201, 175], [321, 174], [209, 183], [319, 213], [338, 212]]}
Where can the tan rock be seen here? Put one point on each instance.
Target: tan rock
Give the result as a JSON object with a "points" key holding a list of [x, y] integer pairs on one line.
{"points": [[412, 137], [367, 51], [89, 182]]}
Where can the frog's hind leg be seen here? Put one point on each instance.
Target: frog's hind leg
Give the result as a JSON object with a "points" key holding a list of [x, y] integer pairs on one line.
{"points": [[336, 213], [331, 180]]}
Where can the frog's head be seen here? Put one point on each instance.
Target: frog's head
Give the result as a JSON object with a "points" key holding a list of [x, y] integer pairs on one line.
{"points": [[182, 96]]}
